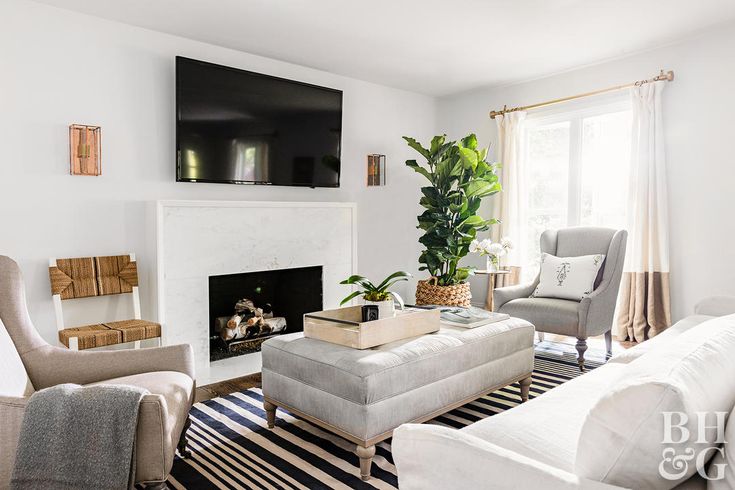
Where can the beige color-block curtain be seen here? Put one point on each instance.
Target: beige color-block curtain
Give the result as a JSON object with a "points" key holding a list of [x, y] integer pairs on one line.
{"points": [[644, 308], [508, 209]]}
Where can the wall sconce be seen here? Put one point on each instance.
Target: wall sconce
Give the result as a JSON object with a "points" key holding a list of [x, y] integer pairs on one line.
{"points": [[375, 169], [85, 155]]}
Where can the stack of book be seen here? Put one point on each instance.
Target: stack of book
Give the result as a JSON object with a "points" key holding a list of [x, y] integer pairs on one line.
{"points": [[467, 317]]}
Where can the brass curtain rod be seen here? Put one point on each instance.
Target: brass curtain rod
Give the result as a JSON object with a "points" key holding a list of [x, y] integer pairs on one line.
{"points": [[668, 76]]}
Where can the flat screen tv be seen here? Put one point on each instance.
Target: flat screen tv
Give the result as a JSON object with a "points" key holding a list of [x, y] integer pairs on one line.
{"points": [[239, 127]]}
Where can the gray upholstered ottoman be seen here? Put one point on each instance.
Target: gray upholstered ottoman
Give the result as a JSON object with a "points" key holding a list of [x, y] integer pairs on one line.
{"points": [[362, 395]]}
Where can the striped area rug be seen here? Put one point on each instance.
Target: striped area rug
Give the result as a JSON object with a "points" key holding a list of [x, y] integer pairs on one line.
{"points": [[233, 449]]}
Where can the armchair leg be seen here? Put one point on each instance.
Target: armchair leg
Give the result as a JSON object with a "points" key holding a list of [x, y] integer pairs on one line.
{"points": [[525, 388], [183, 442], [608, 343], [581, 348]]}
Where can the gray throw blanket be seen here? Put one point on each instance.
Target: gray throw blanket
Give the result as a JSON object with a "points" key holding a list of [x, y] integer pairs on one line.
{"points": [[79, 437]]}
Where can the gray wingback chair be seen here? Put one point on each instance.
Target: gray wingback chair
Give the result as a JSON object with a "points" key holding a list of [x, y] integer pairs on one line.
{"points": [[28, 363], [581, 319]]}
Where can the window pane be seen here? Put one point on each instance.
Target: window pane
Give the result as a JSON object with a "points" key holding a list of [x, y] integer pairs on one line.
{"points": [[547, 176], [605, 155]]}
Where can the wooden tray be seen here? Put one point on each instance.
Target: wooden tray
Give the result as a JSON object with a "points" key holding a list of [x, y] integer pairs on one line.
{"points": [[343, 326]]}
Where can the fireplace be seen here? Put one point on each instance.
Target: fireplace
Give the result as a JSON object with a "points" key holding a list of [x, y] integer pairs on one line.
{"points": [[247, 309]]}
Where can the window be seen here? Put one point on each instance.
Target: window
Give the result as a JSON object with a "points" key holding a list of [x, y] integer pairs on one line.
{"points": [[576, 173]]}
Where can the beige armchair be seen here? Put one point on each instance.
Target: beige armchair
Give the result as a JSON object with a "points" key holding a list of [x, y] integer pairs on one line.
{"points": [[29, 363]]}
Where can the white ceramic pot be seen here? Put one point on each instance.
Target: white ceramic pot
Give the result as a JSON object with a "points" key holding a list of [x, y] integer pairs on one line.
{"points": [[386, 309]]}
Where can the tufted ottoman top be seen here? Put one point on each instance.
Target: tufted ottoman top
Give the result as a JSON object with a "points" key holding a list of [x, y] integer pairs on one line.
{"points": [[371, 375]]}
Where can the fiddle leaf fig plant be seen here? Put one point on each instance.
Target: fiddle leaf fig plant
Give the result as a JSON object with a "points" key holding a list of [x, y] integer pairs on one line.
{"points": [[459, 178]]}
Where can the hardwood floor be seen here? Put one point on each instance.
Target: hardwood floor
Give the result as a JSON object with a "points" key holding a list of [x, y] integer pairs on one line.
{"points": [[226, 387]]}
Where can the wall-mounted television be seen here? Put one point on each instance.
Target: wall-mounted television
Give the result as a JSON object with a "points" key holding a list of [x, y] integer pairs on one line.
{"points": [[240, 127]]}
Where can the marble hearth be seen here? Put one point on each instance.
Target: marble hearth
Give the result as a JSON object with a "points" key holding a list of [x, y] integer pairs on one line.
{"points": [[199, 239]]}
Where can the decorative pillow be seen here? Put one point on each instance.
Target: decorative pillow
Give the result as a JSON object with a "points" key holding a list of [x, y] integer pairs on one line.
{"points": [[625, 439], [567, 277]]}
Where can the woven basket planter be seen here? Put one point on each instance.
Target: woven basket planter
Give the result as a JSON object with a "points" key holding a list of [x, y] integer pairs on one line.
{"points": [[428, 292]]}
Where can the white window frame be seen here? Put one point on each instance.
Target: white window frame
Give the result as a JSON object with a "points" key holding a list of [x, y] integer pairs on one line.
{"points": [[574, 113]]}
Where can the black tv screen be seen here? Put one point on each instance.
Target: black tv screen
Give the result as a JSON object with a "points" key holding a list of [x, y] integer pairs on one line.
{"points": [[239, 127]]}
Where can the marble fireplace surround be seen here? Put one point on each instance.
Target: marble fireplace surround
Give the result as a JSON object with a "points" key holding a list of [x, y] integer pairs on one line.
{"points": [[198, 239]]}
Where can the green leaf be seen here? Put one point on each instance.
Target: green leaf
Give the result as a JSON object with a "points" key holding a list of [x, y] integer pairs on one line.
{"points": [[469, 158], [433, 194], [470, 141], [400, 274], [352, 295], [353, 279], [463, 273], [477, 188], [419, 169], [459, 208], [417, 146], [474, 220], [436, 143]]}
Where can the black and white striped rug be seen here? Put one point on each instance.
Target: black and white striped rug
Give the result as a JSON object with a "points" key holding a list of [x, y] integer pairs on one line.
{"points": [[233, 449]]}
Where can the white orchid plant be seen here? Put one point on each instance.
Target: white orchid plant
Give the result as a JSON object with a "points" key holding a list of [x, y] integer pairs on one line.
{"points": [[493, 250]]}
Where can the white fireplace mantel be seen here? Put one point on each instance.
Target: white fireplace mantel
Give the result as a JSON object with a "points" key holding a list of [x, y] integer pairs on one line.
{"points": [[198, 239]]}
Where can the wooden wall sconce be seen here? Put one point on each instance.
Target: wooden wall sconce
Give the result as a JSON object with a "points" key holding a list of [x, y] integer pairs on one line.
{"points": [[375, 170], [85, 155]]}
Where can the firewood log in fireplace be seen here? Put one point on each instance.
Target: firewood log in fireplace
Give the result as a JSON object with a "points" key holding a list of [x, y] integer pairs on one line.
{"points": [[268, 326], [249, 322]]}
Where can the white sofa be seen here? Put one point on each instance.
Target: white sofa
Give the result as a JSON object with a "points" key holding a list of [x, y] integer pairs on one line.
{"points": [[602, 430]]}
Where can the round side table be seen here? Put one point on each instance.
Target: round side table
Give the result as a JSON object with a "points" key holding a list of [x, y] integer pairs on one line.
{"points": [[491, 275]]}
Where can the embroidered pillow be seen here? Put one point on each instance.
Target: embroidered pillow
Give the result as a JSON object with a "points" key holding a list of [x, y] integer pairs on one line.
{"points": [[567, 277]]}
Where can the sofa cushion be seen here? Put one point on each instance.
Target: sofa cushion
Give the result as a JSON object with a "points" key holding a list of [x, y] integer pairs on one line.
{"points": [[691, 374], [14, 380], [160, 421], [371, 375], [660, 340], [547, 428], [560, 316]]}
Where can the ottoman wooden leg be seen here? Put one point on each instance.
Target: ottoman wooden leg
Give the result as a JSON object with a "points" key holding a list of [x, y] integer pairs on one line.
{"points": [[270, 413], [525, 388], [366, 460]]}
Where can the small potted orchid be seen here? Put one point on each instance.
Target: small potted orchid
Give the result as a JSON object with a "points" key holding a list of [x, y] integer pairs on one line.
{"points": [[379, 295], [492, 250]]}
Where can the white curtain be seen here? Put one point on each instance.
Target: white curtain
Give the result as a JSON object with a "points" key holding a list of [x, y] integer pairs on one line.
{"points": [[508, 210], [645, 307]]}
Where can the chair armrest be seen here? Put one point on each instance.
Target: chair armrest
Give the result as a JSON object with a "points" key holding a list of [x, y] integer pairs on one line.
{"points": [[49, 366], [597, 310], [716, 306], [434, 457], [509, 293], [11, 417]]}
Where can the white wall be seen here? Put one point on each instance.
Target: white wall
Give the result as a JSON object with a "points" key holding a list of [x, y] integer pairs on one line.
{"points": [[699, 109], [59, 67]]}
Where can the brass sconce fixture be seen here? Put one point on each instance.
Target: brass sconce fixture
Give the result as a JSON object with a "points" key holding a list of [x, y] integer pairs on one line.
{"points": [[375, 169], [85, 155]]}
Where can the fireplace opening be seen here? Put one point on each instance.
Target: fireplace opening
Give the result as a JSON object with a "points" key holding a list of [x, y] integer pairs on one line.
{"points": [[247, 309]]}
